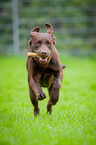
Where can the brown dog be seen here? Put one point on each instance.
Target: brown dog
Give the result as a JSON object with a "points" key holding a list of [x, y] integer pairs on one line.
{"points": [[45, 70]]}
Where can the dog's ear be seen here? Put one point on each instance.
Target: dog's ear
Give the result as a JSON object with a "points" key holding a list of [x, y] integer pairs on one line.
{"points": [[30, 42], [50, 31], [49, 28], [34, 31]]}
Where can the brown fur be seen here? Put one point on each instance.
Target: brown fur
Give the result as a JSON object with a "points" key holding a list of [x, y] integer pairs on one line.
{"points": [[44, 71]]}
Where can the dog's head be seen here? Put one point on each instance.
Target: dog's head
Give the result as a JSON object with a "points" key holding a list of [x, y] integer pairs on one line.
{"points": [[42, 44]]}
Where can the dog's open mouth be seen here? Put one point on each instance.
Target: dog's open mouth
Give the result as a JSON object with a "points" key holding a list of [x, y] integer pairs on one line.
{"points": [[42, 60]]}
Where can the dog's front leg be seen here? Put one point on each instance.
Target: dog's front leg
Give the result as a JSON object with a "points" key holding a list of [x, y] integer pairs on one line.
{"points": [[33, 79], [36, 88]]}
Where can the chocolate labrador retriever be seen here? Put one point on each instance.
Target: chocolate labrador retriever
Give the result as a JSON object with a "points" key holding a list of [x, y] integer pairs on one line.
{"points": [[45, 70]]}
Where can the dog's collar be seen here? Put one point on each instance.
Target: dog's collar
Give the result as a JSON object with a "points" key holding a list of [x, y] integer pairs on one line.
{"points": [[50, 57]]}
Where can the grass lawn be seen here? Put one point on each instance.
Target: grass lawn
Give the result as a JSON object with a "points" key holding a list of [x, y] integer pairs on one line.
{"points": [[73, 120]]}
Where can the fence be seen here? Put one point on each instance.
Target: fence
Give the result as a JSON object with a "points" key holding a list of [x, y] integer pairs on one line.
{"points": [[74, 24]]}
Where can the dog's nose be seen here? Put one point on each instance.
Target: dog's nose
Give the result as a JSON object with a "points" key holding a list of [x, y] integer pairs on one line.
{"points": [[44, 52]]}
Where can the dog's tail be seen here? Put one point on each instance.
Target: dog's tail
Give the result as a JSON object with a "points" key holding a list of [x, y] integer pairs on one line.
{"points": [[63, 66]]}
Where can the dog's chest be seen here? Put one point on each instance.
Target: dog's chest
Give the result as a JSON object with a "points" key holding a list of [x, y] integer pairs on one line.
{"points": [[47, 78]]}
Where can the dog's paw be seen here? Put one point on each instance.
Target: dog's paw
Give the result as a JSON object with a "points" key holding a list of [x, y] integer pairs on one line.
{"points": [[41, 96], [49, 108], [36, 112]]}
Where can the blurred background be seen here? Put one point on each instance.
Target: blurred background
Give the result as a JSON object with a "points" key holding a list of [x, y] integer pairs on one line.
{"points": [[74, 23]]}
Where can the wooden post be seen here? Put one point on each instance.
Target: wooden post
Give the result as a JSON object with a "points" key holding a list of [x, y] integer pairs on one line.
{"points": [[16, 40]]}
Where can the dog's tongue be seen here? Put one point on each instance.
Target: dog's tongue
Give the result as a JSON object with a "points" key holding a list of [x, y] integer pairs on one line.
{"points": [[43, 61]]}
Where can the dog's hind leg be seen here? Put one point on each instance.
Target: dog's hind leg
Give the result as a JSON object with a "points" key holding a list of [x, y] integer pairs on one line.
{"points": [[49, 105], [54, 91], [54, 97]]}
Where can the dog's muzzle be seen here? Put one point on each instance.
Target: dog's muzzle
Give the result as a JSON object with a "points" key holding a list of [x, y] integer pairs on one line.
{"points": [[43, 60], [40, 59]]}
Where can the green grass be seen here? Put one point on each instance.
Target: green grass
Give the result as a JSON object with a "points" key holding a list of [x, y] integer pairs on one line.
{"points": [[73, 120]]}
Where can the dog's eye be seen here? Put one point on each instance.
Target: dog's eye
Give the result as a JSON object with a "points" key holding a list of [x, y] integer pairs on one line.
{"points": [[38, 43], [48, 43]]}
